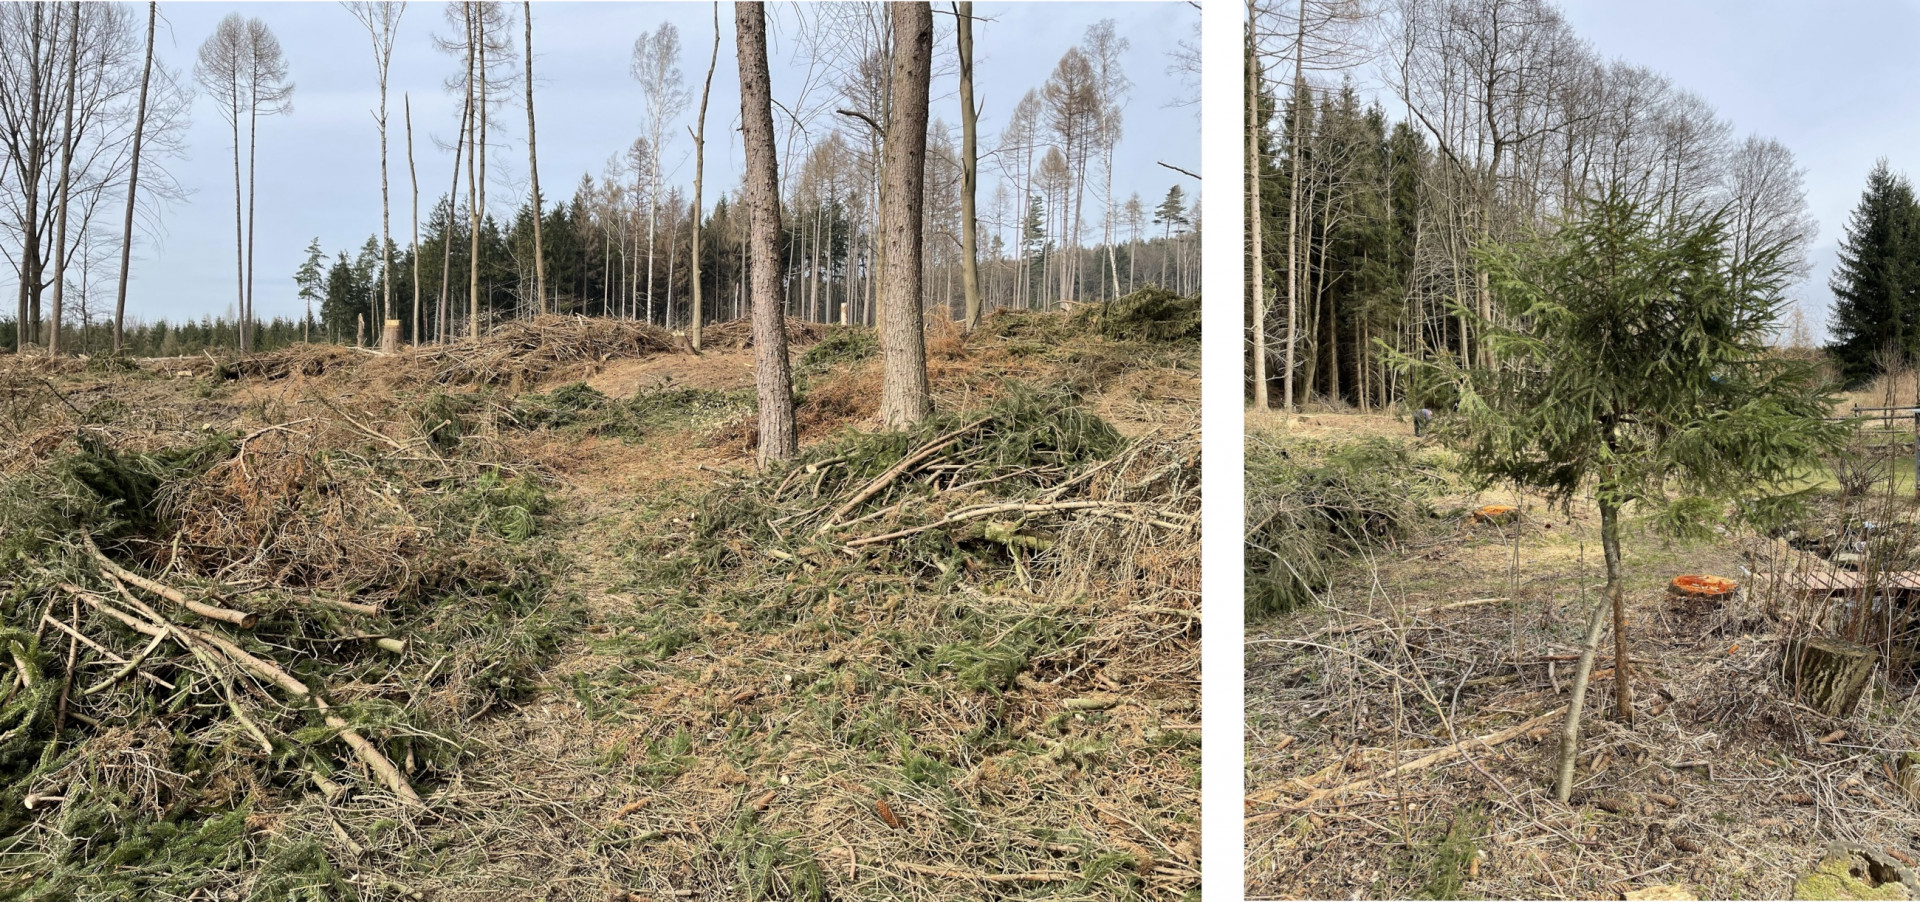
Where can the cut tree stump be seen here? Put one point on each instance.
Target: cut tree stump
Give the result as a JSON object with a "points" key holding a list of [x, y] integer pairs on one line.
{"points": [[1828, 674]]}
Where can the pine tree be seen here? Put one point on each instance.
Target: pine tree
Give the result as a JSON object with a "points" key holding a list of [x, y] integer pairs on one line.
{"points": [[1876, 287], [312, 279]]}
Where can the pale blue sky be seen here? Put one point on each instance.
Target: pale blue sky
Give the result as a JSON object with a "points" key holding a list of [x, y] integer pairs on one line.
{"points": [[319, 166], [1833, 81]]}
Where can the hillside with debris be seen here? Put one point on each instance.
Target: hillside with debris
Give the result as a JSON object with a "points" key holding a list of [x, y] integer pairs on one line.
{"points": [[520, 619]]}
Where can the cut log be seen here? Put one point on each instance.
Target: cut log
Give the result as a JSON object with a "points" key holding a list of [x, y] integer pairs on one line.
{"points": [[1828, 674]]}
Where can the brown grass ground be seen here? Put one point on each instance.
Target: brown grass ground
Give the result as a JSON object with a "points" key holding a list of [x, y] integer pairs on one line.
{"points": [[1341, 691], [644, 772]]}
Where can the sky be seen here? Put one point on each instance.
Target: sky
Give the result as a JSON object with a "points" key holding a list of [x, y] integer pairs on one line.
{"points": [[318, 166], [1833, 81]]}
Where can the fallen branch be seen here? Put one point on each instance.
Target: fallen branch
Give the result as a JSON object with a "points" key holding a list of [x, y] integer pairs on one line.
{"points": [[1440, 756], [375, 760], [956, 874], [879, 483], [241, 619], [1106, 508]]}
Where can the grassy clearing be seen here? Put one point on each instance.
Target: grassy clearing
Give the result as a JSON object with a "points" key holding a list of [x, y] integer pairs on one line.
{"points": [[632, 667], [1428, 627]]}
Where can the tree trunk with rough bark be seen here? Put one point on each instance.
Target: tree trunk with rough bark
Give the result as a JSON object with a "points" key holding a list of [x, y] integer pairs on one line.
{"points": [[905, 398], [969, 167], [773, 377]]}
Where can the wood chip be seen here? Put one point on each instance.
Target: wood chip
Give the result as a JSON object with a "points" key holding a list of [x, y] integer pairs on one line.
{"points": [[1833, 737]]}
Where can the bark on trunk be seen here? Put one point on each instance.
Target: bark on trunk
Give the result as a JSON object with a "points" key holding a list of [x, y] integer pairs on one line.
{"points": [[533, 168], [969, 167], [773, 378], [1829, 675], [133, 185], [66, 189], [1570, 730], [904, 394]]}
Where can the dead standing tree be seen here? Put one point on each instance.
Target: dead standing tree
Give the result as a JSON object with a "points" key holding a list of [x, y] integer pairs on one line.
{"points": [[656, 65], [904, 395], [533, 171], [133, 182], [382, 20], [699, 172], [773, 377]]}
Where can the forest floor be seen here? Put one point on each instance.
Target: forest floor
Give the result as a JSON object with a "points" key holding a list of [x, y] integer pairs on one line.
{"points": [[1438, 628], [956, 662]]}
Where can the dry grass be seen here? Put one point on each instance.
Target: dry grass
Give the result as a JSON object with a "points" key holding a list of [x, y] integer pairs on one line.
{"points": [[722, 735], [1723, 784]]}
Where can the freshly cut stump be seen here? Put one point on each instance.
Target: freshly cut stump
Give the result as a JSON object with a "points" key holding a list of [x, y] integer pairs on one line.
{"points": [[1499, 514], [1694, 585], [1828, 674]]}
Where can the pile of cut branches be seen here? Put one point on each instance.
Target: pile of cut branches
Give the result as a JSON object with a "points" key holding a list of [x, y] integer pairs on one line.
{"points": [[989, 619], [193, 630]]}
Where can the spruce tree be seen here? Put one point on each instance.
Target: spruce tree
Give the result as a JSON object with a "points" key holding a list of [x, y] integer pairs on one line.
{"points": [[1876, 286], [1632, 357]]}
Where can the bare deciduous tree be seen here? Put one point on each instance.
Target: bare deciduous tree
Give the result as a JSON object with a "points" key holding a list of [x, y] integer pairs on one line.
{"points": [[381, 18], [699, 172], [656, 64]]}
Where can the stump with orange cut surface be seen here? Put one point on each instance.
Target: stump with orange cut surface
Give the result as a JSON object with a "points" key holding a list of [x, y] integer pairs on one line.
{"points": [[1695, 585], [1496, 513]]}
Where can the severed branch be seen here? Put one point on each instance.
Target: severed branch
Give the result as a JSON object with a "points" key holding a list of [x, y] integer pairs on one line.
{"points": [[241, 619], [880, 483], [1105, 508], [240, 658], [1440, 756]]}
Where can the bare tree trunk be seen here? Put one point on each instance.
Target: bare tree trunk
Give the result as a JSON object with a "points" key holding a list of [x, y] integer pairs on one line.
{"points": [[476, 139], [1570, 730], [904, 395], [773, 377], [1610, 546], [453, 207], [699, 171], [66, 188], [133, 185], [413, 176], [1256, 231], [533, 167], [969, 166], [1293, 202], [390, 324]]}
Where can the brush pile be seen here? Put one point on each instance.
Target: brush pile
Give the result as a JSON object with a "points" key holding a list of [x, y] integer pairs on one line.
{"points": [[190, 629], [1000, 613]]}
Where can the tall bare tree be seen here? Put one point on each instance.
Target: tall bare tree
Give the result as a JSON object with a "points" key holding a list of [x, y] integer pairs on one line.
{"points": [[133, 182], [969, 164], [413, 178], [222, 69], [699, 171], [773, 376], [904, 395], [268, 93], [65, 196], [656, 64], [381, 18], [533, 168]]}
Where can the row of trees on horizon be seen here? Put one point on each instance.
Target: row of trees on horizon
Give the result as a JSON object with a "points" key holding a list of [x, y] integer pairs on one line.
{"points": [[1369, 230], [90, 120]]}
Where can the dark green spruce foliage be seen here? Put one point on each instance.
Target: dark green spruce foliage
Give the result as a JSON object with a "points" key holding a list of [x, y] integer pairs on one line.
{"points": [[1876, 283], [1633, 350]]}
